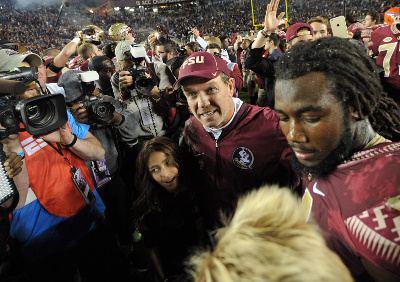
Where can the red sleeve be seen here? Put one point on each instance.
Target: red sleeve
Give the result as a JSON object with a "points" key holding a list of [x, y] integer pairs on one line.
{"points": [[236, 74], [375, 39], [171, 115]]}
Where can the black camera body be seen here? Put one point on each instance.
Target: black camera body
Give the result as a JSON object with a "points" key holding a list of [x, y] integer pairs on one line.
{"points": [[162, 34], [98, 110], [142, 83], [39, 115], [24, 74]]}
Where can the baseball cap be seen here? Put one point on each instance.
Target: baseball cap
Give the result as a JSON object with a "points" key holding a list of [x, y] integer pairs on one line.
{"points": [[281, 33], [10, 59], [355, 27], [292, 31], [202, 64], [72, 85], [96, 63], [121, 48]]}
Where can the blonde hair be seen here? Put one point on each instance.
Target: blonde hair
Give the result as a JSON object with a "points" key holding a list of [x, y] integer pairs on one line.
{"points": [[215, 40], [268, 239]]}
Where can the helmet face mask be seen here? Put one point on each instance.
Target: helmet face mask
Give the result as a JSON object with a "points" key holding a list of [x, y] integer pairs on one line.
{"points": [[392, 16], [93, 34], [117, 31]]}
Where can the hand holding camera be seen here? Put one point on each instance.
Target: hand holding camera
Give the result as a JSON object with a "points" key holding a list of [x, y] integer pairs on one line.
{"points": [[195, 32], [13, 164], [125, 79], [79, 113], [153, 40]]}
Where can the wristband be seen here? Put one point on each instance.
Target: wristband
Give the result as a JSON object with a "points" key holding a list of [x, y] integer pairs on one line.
{"points": [[21, 153], [53, 68], [76, 40], [72, 143], [264, 33]]}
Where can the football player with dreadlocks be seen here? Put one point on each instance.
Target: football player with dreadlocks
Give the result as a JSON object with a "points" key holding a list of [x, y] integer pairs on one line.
{"points": [[338, 123]]}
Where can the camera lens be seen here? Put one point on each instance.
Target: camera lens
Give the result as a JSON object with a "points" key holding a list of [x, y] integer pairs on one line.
{"points": [[39, 113], [103, 111]]}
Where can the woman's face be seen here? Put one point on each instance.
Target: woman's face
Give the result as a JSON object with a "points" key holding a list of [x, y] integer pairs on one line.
{"points": [[163, 171]]}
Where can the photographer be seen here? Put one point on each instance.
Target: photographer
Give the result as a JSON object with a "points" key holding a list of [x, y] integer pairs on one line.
{"points": [[60, 230], [105, 68], [133, 84], [161, 47], [148, 106], [108, 121]]}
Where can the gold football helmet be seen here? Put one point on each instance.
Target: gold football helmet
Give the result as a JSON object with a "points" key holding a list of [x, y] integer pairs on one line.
{"points": [[93, 34], [117, 31]]}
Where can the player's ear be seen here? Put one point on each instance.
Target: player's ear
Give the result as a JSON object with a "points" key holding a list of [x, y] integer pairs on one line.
{"points": [[354, 112]]}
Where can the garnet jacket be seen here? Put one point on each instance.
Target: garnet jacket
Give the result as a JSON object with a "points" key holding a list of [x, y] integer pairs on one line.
{"points": [[251, 151]]}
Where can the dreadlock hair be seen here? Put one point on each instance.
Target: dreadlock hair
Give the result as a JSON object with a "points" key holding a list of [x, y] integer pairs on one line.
{"points": [[352, 75]]}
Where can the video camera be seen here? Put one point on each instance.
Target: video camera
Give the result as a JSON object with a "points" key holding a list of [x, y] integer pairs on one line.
{"points": [[98, 110], [142, 83], [39, 114]]}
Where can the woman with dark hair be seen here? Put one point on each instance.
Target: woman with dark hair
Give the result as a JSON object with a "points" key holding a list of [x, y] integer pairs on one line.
{"points": [[166, 211]]}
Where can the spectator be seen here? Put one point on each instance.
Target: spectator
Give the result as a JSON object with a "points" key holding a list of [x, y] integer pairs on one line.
{"points": [[371, 23], [264, 67], [320, 27], [266, 98], [166, 210], [348, 179], [191, 47]]}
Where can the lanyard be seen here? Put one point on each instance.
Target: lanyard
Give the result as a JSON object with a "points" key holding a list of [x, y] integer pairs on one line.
{"points": [[61, 153]]}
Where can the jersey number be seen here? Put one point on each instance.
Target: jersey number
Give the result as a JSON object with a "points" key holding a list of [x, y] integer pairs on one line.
{"points": [[390, 48]]}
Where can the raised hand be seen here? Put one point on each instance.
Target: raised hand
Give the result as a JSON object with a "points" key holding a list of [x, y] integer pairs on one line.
{"points": [[271, 21]]}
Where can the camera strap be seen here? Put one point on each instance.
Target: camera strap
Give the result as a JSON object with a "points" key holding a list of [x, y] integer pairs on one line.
{"points": [[153, 74], [78, 179]]}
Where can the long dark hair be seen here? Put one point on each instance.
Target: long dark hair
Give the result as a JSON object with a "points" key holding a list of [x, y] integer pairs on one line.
{"points": [[353, 77], [149, 189]]}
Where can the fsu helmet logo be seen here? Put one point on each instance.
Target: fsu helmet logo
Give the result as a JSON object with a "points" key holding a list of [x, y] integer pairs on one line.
{"points": [[243, 158]]}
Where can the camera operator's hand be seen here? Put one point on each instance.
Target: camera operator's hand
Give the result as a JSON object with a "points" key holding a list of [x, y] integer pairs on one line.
{"points": [[79, 113], [195, 32], [125, 79], [170, 97], [61, 135], [12, 143], [153, 41], [13, 164], [116, 120]]}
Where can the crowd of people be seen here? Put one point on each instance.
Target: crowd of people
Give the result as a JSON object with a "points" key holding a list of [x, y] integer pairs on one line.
{"points": [[25, 24], [154, 168]]}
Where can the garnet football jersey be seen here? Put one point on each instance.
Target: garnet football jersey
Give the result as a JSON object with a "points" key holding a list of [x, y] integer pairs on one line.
{"points": [[385, 45]]}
